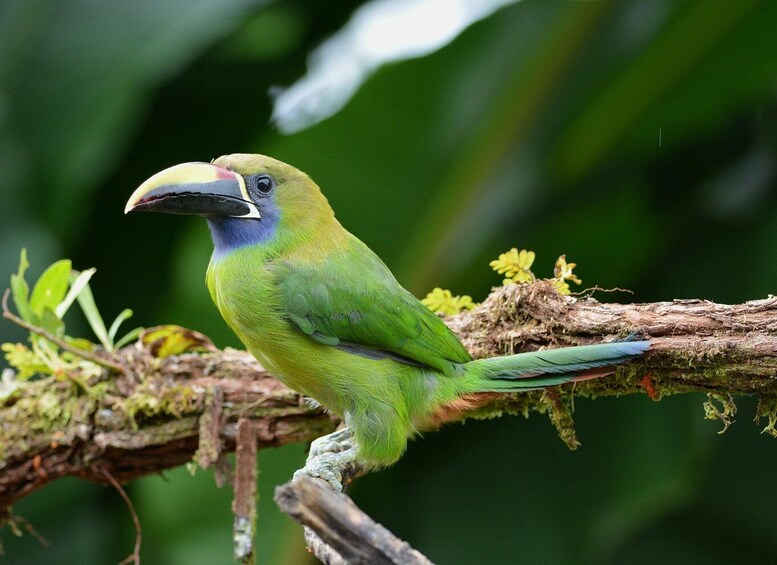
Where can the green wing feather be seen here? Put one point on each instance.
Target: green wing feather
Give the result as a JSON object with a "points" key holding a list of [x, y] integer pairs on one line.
{"points": [[352, 301]]}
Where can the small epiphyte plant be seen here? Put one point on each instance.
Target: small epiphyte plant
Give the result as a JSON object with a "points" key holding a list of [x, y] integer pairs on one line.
{"points": [[42, 310], [516, 267], [562, 272], [442, 301]]}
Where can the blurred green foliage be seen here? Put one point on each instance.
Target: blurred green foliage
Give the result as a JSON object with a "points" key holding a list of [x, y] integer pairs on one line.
{"points": [[636, 137]]}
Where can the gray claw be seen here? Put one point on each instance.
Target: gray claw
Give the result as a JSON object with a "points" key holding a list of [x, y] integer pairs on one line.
{"points": [[324, 471]]}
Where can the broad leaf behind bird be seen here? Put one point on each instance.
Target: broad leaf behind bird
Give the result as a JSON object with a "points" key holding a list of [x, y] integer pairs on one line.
{"points": [[323, 313]]}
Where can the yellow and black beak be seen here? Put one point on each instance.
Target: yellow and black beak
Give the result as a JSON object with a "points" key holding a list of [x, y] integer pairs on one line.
{"points": [[199, 189]]}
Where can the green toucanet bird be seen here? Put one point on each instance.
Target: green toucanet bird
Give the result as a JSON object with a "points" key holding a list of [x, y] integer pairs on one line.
{"points": [[323, 313]]}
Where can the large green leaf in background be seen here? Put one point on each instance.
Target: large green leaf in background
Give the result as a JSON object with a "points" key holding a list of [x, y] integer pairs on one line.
{"points": [[636, 137]]}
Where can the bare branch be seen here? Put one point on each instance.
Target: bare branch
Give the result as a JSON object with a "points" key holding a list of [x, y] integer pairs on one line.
{"points": [[244, 503], [134, 428], [337, 521]]}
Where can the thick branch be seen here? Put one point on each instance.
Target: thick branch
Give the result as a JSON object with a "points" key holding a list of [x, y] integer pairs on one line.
{"points": [[697, 345], [51, 430], [132, 427]]}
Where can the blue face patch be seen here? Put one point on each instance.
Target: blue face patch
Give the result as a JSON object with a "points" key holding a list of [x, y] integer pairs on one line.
{"points": [[231, 233]]}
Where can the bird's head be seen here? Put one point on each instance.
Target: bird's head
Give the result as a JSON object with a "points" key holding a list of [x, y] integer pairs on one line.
{"points": [[247, 199]]}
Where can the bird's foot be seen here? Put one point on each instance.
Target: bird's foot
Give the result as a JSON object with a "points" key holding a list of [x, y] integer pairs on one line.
{"points": [[338, 441], [328, 466], [330, 457]]}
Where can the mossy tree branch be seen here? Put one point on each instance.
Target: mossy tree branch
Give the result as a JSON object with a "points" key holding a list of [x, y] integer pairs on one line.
{"points": [[165, 412]]}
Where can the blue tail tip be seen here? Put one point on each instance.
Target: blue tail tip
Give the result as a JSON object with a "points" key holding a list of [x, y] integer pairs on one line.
{"points": [[638, 347]]}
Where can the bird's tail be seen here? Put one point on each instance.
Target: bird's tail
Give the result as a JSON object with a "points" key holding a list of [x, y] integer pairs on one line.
{"points": [[540, 369]]}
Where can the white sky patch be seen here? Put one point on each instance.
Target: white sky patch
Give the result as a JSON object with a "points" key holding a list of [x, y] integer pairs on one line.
{"points": [[379, 32]]}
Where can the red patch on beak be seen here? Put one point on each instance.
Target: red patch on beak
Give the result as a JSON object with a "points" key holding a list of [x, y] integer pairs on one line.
{"points": [[222, 173]]}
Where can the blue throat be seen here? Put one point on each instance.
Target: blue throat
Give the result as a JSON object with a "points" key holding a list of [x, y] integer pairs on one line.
{"points": [[232, 233]]}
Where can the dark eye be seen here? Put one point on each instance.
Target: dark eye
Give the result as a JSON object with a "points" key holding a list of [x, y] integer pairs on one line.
{"points": [[260, 185]]}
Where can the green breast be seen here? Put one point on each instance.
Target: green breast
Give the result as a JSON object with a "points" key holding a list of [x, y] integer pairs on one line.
{"points": [[244, 290]]}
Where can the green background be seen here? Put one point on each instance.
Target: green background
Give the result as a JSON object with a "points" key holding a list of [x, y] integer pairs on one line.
{"points": [[639, 138]]}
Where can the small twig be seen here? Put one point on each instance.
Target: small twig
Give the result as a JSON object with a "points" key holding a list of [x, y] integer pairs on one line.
{"points": [[244, 503], [14, 520], [343, 527], [107, 363], [134, 557], [210, 443], [587, 292]]}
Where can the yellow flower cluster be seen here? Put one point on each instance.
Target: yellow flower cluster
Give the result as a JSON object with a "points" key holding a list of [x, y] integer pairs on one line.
{"points": [[442, 301], [515, 265]]}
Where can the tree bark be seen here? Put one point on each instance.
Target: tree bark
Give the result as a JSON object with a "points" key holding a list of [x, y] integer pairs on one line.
{"points": [[161, 413]]}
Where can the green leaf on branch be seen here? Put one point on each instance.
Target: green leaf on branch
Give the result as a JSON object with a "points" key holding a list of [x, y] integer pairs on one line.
{"points": [[86, 301], [21, 290], [51, 288], [130, 336], [114, 329], [77, 283], [163, 341], [51, 323]]}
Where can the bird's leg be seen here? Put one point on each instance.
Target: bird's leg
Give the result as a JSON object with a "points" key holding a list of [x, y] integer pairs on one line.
{"points": [[329, 457]]}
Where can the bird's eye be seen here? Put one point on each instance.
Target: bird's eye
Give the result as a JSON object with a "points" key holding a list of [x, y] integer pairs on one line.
{"points": [[260, 185]]}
